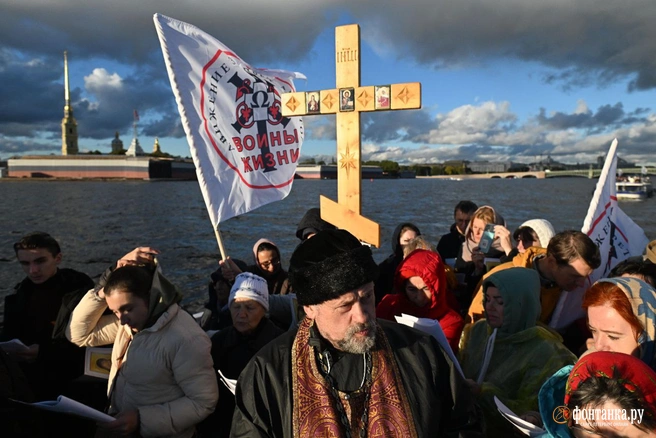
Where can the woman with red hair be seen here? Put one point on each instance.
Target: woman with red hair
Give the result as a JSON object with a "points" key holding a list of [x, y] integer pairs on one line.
{"points": [[621, 317], [421, 291]]}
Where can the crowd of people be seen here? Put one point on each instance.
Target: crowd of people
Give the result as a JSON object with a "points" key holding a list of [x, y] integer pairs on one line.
{"points": [[316, 349]]}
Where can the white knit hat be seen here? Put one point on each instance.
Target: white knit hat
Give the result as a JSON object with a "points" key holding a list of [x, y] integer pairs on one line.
{"points": [[250, 286], [542, 228]]}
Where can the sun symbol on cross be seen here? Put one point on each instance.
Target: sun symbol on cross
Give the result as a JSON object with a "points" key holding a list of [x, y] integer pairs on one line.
{"points": [[347, 161]]}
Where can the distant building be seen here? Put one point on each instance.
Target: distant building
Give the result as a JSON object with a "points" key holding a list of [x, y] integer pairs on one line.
{"points": [[71, 164], [407, 174], [117, 144], [330, 172], [623, 163], [69, 125], [101, 166], [156, 148], [135, 149], [490, 167]]}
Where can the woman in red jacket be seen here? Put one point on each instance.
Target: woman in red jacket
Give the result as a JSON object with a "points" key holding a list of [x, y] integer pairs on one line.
{"points": [[421, 291]]}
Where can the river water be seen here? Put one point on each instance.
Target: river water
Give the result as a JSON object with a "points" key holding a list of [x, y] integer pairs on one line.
{"points": [[98, 221]]}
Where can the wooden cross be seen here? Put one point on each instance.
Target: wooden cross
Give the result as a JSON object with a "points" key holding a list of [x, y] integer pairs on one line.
{"points": [[347, 101]]}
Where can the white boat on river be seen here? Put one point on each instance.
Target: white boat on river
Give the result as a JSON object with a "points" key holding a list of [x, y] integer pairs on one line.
{"points": [[633, 187]]}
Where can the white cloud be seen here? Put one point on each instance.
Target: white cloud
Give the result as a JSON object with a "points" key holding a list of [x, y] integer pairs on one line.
{"points": [[471, 123], [100, 80], [490, 131]]}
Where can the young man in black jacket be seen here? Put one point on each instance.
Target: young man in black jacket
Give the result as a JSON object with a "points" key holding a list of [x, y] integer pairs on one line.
{"points": [[450, 243], [37, 313]]}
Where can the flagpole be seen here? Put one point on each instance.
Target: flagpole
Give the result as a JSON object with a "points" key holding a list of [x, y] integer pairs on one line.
{"points": [[220, 242]]}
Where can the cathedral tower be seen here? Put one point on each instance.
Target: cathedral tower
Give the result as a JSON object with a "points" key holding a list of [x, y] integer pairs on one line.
{"points": [[69, 125], [156, 147], [117, 145]]}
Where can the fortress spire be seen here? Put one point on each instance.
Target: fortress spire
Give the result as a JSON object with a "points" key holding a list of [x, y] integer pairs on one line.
{"points": [[69, 125]]}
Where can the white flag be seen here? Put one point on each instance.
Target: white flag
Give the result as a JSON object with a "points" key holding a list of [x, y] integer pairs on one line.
{"points": [[616, 235], [245, 152]]}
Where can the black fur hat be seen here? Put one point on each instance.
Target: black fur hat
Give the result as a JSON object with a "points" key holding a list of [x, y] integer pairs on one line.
{"points": [[328, 265]]}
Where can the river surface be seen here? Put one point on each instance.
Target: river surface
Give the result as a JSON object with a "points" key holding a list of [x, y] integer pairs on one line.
{"points": [[96, 222]]}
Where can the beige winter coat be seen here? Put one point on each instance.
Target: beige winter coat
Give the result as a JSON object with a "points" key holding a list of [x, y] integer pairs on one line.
{"points": [[165, 371]]}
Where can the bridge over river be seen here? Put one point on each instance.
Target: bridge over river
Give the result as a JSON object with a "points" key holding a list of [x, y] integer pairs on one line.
{"points": [[589, 173]]}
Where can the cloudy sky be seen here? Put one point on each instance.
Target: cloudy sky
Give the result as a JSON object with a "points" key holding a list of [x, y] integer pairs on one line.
{"points": [[501, 79]]}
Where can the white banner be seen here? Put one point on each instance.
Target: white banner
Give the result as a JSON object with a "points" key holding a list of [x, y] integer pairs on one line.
{"points": [[245, 152], [616, 235]]}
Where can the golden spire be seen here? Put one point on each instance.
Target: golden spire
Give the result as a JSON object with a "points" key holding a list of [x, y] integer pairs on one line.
{"points": [[69, 125], [156, 147], [67, 96]]}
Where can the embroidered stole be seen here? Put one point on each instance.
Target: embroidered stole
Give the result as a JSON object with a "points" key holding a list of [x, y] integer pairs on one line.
{"points": [[314, 411]]}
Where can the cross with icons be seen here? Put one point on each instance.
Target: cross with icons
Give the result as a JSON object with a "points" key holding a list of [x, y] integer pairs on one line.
{"points": [[347, 101]]}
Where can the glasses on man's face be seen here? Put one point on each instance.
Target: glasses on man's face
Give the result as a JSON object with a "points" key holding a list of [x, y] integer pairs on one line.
{"points": [[270, 263]]}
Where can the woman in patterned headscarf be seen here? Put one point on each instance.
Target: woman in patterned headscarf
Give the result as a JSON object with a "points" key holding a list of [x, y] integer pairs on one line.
{"points": [[611, 383], [621, 317], [597, 389]]}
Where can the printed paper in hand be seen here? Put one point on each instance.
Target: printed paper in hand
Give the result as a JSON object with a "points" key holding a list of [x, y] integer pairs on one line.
{"points": [[524, 426], [65, 405], [433, 328], [14, 346], [231, 384]]}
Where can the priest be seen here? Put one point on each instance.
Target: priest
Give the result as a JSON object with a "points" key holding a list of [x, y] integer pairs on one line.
{"points": [[342, 373]]}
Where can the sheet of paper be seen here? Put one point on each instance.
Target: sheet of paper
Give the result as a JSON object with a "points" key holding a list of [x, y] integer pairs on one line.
{"points": [[491, 263], [14, 346], [98, 362], [211, 333], [433, 328], [65, 405], [231, 384], [523, 426]]}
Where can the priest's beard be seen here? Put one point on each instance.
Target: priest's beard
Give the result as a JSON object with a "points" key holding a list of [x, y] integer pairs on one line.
{"points": [[358, 344]]}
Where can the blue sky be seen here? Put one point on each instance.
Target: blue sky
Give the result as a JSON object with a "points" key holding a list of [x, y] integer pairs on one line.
{"points": [[502, 79]]}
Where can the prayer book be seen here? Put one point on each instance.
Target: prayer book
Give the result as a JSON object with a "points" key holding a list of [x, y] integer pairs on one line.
{"points": [[98, 362], [523, 426], [433, 328], [65, 405]]}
